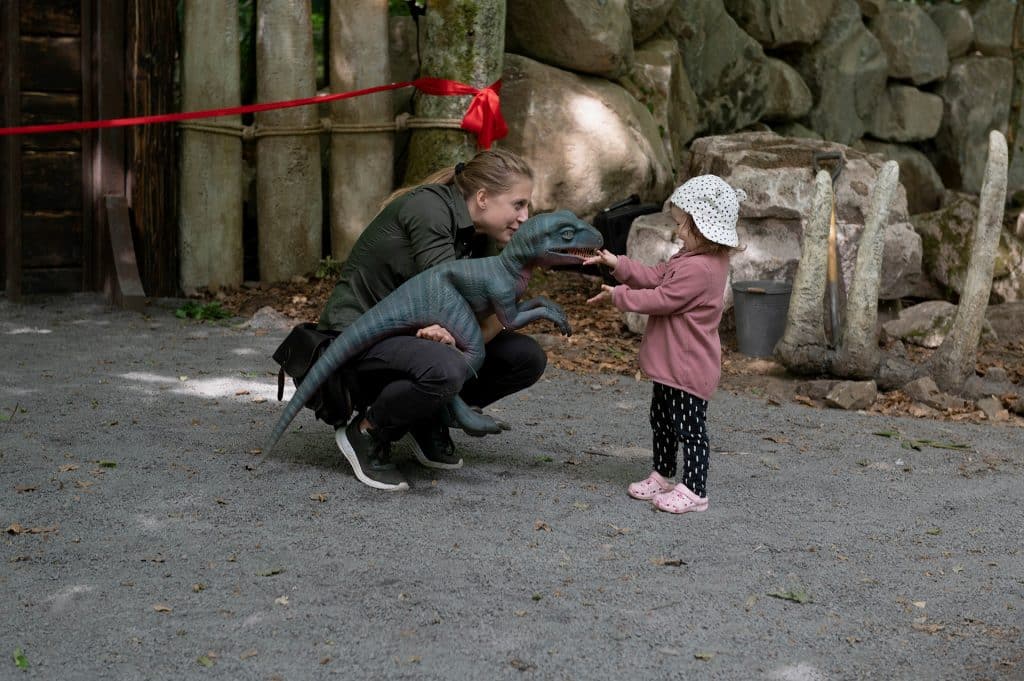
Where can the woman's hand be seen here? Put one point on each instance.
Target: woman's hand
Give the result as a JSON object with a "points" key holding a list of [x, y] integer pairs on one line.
{"points": [[605, 294], [603, 257], [436, 332]]}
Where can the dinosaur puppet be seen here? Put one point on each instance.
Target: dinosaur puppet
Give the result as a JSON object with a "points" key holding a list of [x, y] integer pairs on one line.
{"points": [[456, 295]]}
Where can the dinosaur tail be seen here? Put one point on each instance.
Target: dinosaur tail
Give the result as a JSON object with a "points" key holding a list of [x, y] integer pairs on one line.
{"points": [[352, 341]]}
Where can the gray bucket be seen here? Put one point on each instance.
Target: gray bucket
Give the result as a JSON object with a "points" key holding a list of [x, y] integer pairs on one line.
{"points": [[760, 308]]}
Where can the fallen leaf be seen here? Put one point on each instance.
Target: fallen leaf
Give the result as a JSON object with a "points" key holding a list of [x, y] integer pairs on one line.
{"points": [[252, 652], [919, 604], [68, 467], [269, 573], [259, 400], [160, 607], [282, 600], [541, 525], [928, 628], [24, 488], [703, 656], [204, 661], [199, 586], [795, 596], [241, 391], [107, 464], [934, 531], [778, 439], [318, 496], [20, 661]]}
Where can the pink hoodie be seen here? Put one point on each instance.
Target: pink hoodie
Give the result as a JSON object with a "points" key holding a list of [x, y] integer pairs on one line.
{"points": [[684, 298]]}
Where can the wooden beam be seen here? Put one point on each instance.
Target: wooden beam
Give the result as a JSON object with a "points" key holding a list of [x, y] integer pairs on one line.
{"points": [[126, 287], [10, 152], [108, 163]]}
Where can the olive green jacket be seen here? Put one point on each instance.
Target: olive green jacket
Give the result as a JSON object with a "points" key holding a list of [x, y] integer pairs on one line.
{"points": [[427, 226]]}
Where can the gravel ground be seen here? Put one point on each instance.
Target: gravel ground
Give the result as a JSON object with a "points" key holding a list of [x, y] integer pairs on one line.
{"points": [[148, 538]]}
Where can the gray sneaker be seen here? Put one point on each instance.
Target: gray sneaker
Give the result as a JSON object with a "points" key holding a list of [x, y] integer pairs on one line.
{"points": [[370, 457], [433, 446]]}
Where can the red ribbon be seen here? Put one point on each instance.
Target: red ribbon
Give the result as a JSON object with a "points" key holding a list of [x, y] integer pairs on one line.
{"points": [[483, 118]]}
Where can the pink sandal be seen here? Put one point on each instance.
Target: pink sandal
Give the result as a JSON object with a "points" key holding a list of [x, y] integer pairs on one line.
{"points": [[679, 499], [647, 488]]}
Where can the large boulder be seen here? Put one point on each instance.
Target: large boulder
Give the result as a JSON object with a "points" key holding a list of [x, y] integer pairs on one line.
{"points": [[647, 16], [993, 27], [954, 21], [659, 82], [906, 114], [946, 238], [590, 141], [917, 174], [846, 71], [788, 97], [778, 175], [913, 44], [782, 22], [976, 97], [726, 67], [587, 37]]}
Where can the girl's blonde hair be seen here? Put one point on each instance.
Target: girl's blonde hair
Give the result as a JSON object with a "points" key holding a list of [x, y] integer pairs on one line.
{"points": [[494, 170]]}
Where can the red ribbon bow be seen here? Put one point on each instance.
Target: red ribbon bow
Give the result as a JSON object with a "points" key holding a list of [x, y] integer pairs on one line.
{"points": [[483, 117]]}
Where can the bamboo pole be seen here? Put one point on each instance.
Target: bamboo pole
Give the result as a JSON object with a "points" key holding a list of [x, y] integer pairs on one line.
{"points": [[210, 223]]}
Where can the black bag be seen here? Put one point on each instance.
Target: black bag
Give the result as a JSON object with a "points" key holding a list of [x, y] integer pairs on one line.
{"points": [[298, 352], [614, 222]]}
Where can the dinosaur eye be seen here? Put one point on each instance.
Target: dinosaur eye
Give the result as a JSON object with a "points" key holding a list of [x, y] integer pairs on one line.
{"points": [[568, 234]]}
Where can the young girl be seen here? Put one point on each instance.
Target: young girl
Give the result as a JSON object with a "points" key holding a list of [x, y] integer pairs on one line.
{"points": [[680, 350]]}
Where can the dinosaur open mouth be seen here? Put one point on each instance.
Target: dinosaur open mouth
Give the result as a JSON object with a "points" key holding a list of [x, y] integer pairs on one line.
{"points": [[577, 252]]}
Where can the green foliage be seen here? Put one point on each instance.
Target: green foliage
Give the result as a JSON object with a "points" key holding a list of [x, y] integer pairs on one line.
{"points": [[201, 311], [328, 267]]}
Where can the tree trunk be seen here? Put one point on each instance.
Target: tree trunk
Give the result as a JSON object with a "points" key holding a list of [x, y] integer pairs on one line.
{"points": [[152, 191], [463, 40], [954, 360], [289, 203], [362, 163], [210, 230], [1015, 124]]}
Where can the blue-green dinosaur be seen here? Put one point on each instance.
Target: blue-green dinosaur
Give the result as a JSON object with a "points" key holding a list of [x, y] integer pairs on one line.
{"points": [[456, 295]]}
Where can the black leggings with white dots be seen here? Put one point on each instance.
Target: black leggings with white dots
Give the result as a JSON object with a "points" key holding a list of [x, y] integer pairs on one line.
{"points": [[679, 417]]}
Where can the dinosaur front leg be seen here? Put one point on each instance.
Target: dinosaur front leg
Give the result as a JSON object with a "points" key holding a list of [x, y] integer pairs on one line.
{"points": [[518, 316]]}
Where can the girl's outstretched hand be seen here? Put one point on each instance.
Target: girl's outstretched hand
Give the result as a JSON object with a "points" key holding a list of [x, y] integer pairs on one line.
{"points": [[605, 294], [603, 257]]}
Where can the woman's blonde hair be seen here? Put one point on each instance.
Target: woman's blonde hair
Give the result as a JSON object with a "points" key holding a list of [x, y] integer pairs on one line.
{"points": [[494, 170]]}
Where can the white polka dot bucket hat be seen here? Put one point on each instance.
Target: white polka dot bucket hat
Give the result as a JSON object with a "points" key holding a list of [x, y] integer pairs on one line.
{"points": [[714, 205]]}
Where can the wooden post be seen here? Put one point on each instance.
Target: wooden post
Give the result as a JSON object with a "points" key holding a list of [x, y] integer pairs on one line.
{"points": [[125, 287], [362, 163], [210, 221], [289, 203], [10, 153], [462, 40], [152, 150], [108, 157]]}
